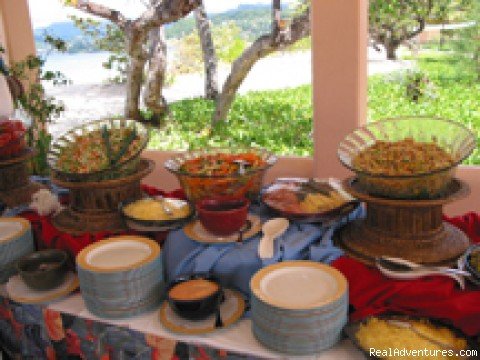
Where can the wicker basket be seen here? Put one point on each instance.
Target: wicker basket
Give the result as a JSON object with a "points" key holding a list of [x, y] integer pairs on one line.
{"points": [[94, 204]]}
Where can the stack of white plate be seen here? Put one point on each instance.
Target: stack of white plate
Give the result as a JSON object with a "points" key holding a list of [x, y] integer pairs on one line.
{"points": [[16, 240], [121, 276], [299, 307]]}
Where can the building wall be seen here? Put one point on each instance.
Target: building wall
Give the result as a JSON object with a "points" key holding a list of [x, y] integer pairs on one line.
{"points": [[16, 31]]}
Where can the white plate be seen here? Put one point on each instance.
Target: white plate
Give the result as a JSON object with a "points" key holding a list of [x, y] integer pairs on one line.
{"points": [[18, 291], [11, 228], [112, 255], [298, 285], [118, 253]]}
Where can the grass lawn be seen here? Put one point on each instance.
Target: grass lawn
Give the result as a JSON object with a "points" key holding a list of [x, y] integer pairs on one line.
{"points": [[281, 120]]}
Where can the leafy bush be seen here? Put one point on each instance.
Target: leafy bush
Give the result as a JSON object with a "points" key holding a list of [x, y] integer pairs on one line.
{"points": [[279, 120], [228, 46]]}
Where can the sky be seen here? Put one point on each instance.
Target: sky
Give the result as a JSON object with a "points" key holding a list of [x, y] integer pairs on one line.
{"points": [[45, 12]]}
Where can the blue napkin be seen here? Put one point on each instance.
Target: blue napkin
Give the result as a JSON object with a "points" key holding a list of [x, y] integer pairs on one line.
{"points": [[235, 263]]}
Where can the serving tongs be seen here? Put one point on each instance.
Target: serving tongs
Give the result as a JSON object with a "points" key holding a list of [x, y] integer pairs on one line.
{"points": [[402, 269]]}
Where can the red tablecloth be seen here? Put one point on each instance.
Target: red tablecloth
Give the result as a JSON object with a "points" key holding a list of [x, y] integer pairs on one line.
{"points": [[436, 297], [48, 236], [370, 292]]}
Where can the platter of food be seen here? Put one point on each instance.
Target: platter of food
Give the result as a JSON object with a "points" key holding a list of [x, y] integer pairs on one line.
{"points": [[99, 150], [386, 334], [221, 172], [308, 200]]}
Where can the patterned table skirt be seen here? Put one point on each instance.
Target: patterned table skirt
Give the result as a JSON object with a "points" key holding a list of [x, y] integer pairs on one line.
{"points": [[36, 332]]}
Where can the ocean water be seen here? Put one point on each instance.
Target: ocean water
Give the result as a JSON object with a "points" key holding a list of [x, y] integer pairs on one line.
{"points": [[80, 68]]}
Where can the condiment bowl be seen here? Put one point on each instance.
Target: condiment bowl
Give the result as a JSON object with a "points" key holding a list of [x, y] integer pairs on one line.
{"points": [[43, 270], [195, 297], [168, 223], [223, 216]]}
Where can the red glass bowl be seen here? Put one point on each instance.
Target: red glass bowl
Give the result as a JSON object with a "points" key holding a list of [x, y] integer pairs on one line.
{"points": [[14, 147], [223, 216]]}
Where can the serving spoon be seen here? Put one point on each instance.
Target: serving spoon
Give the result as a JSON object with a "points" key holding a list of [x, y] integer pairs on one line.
{"points": [[165, 208], [402, 269], [271, 230]]}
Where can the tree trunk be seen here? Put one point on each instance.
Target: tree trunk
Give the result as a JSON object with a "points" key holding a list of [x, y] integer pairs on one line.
{"points": [[138, 57], [391, 51], [240, 69], [210, 60], [280, 37], [153, 97]]}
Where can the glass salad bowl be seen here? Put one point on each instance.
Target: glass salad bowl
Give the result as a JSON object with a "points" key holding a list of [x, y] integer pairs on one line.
{"points": [[100, 150], [407, 157], [221, 172]]}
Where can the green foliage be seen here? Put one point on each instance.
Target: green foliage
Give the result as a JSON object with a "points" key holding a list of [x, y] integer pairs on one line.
{"points": [[279, 120], [252, 21], [228, 41], [393, 22], [467, 45], [40, 107], [417, 85], [449, 11], [456, 96], [228, 46]]}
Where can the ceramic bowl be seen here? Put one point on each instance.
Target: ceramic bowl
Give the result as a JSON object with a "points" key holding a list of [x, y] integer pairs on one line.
{"points": [[223, 216], [200, 302], [43, 270], [154, 225]]}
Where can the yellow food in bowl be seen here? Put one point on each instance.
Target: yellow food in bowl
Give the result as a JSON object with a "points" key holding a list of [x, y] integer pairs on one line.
{"points": [[385, 336], [154, 210]]}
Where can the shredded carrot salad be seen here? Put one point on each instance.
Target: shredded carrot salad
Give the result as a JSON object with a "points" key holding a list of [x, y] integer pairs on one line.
{"points": [[221, 164], [219, 175]]}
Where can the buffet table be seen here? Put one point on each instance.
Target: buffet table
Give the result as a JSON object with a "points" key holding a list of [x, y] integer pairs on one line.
{"points": [[66, 327], [295, 286]]}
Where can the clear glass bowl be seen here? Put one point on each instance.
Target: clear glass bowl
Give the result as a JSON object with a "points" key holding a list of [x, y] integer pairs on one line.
{"points": [[239, 184], [456, 139], [122, 168]]}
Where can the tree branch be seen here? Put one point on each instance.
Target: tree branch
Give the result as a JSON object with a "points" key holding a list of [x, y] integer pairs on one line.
{"points": [[102, 11], [261, 47], [166, 12]]}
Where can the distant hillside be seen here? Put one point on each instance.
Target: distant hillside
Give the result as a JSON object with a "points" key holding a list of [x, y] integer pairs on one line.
{"points": [[77, 41], [253, 20]]}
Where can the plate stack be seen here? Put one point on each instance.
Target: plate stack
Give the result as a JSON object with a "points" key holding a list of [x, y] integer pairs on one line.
{"points": [[299, 307], [16, 240], [121, 276]]}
